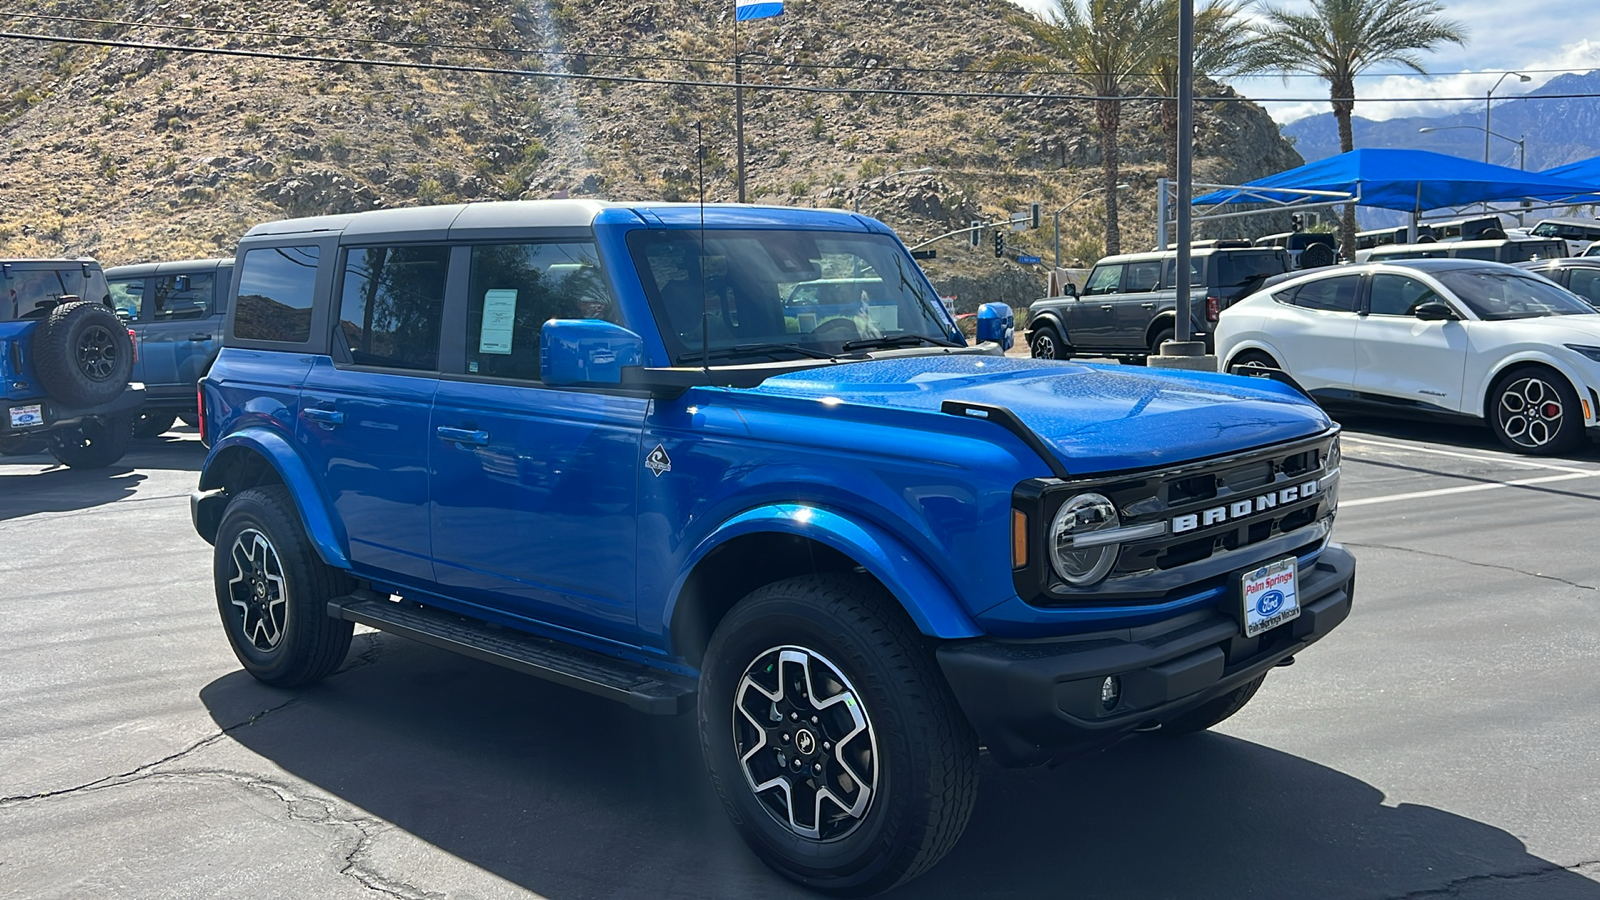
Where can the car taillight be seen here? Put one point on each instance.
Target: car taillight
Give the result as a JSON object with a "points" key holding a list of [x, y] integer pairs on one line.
{"points": [[1213, 307], [200, 412], [134, 340]]}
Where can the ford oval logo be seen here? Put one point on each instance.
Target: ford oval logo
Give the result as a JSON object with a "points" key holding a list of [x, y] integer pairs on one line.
{"points": [[1269, 603]]}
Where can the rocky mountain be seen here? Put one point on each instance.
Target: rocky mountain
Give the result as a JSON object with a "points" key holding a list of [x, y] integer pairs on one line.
{"points": [[1557, 131], [133, 153]]}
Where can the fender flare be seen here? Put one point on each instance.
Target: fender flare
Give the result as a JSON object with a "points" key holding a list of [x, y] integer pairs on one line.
{"points": [[325, 536], [924, 596], [1048, 316]]}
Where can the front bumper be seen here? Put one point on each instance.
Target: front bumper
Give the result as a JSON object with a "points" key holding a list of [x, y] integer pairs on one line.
{"points": [[1032, 702], [56, 415]]}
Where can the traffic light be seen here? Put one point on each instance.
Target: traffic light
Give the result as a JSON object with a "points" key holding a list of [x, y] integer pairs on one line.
{"points": [[1035, 215], [975, 236], [1297, 222], [999, 243]]}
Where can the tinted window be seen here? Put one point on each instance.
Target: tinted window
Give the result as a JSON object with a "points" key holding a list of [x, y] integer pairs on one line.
{"points": [[1585, 283], [1485, 253], [275, 292], [184, 296], [390, 304], [1522, 251], [1246, 269], [1398, 295], [127, 296], [1104, 280], [1141, 277], [1501, 294], [1328, 294], [32, 293], [515, 288], [1169, 273]]}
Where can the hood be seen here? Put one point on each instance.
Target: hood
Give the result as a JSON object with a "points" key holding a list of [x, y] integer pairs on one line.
{"points": [[1097, 418]]}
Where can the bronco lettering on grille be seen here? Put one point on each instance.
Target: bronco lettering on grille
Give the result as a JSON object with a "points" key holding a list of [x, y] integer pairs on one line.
{"points": [[1238, 509]]}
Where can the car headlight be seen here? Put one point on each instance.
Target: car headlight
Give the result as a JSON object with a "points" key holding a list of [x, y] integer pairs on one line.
{"points": [[1080, 555], [1591, 352]]}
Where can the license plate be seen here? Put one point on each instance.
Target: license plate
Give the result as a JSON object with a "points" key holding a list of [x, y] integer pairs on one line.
{"points": [[27, 416], [1270, 596]]}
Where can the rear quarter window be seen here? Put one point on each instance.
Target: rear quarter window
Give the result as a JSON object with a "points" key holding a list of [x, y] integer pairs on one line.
{"points": [[1245, 269], [276, 289]]}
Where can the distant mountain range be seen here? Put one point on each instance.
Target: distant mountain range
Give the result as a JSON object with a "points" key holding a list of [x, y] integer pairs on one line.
{"points": [[1557, 131]]}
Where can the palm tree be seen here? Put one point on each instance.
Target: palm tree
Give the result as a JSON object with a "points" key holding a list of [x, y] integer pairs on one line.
{"points": [[1108, 46], [1224, 44], [1339, 39]]}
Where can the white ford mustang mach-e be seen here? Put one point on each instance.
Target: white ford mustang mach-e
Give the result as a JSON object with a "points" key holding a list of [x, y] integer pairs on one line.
{"points": [[1445, 337]]}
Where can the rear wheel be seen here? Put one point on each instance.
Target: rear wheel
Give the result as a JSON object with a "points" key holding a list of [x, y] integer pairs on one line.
{"points": [[1256, 359], [1534, 410], [92, 443], [1212, 712], [273, 591], [191, 419], [832, 738], [152, 424], [1047, 343]]}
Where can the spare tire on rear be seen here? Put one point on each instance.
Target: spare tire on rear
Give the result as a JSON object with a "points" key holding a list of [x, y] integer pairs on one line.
{"points": [[1316, 256], [82, 354]]}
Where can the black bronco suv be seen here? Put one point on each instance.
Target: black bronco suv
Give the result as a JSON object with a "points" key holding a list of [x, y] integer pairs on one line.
{"points": [[65, 359], [1128, 304]]}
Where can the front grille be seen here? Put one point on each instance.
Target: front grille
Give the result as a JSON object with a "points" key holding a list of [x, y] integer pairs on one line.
{"points": [[1215, 509]]}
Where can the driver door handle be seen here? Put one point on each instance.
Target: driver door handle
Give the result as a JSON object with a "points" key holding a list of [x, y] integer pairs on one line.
{"points": [[463, 436], [326, 417], [1107, 306]]}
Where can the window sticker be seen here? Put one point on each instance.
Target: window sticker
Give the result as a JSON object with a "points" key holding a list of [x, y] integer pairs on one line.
{"points": [[499, 315]]}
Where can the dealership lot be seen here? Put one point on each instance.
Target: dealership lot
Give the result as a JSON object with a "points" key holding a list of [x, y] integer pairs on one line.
{"points": [[1444, 742]]}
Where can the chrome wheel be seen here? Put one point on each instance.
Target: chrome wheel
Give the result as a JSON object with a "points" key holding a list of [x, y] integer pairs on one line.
{"points": [[1044, 346], [1530, 412], [805, 743], [257, 589], [97, 352]]}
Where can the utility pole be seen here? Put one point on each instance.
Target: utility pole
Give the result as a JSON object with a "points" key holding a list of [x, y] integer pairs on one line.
{"points": [[1182, 352], [738, 105]]}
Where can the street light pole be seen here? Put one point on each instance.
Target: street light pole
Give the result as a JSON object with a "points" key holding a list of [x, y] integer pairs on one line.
{"points": [[1488, 101], [1057, 215], [1522, 142]]}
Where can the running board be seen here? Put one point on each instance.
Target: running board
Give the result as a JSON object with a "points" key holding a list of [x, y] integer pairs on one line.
{"points": [[645, 689]]}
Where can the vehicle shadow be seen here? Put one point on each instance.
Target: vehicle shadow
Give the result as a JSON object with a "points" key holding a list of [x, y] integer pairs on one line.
{"points": [[59, 488], [574, 797]]}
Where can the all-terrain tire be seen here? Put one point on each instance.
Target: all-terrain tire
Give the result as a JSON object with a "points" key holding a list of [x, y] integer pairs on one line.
{"points": [[152, 424], [1212, 712], [920, 759], [82, 354], [273, 591], [1047, 343], [92, 443]]}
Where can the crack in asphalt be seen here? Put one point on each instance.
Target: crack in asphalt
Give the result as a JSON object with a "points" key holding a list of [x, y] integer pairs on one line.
{"points": [[1473, 562], [1452, 888]]}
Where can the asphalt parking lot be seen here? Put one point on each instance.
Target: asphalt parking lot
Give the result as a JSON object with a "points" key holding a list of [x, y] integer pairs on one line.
{"points": [[1444, 742]]}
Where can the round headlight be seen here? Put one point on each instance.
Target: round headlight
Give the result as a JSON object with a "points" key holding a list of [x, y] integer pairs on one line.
{"points": [[1079, 561]]}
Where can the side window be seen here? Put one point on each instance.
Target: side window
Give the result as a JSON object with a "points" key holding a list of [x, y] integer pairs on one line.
{"points": [[1486, 253], [1585, 283], [513, 289], [1398, 295], [1141, 277], [276, 288], [1329, 294], [183, 296], [391, 302], [1104, 280], [1169, 273], [127, 296]]}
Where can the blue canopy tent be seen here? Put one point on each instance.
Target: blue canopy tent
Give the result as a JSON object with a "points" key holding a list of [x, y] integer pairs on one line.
{"points": [[1584, 170], [1407, 180]]}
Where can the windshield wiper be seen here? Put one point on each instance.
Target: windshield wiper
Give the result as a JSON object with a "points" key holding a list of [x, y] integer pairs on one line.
{"points": [[767, 349], [899, 340]]}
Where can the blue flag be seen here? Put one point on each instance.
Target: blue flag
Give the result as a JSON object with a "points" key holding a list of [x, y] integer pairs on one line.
{"points": [[744, 10]]}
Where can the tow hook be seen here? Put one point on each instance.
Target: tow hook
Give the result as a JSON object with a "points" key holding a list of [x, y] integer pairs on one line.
{"points": [[1284, 663]]}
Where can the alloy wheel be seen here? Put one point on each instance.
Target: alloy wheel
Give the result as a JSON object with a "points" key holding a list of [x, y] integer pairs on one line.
{"points": [[257, 589], [1530, 412], [805, 743], [1044, 346], [97, 352]]}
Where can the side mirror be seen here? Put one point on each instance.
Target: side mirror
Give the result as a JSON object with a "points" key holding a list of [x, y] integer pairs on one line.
{"points": [[995, 324], [1071, 290], [1433, 311], [576, 352]]}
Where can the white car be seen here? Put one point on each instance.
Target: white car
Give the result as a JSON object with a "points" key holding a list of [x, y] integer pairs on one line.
{"points": [[1450, 337]]}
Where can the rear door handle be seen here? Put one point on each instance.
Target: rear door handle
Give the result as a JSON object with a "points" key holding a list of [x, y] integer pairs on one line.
{"points": [[1107, 306], [463, 435], [327, 417], [199, 337], [1148, 305]]}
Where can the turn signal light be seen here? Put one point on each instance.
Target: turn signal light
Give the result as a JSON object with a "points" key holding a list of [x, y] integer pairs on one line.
{"points": [[1019, 539]]}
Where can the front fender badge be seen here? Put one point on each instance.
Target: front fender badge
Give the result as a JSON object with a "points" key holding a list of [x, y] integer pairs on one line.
{"points": [[658, 461]]}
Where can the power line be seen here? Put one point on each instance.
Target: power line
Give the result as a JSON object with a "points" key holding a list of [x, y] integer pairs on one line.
{"points": [[684, 82], [764, 61]]}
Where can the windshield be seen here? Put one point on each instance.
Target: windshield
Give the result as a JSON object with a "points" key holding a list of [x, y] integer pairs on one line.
{"points": [[765, 295], [1494, 294], [33, 292], [1240, 269]]}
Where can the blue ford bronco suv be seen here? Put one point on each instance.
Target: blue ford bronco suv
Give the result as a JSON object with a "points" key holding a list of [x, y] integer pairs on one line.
{"points": [[596, 443], [65, 361]]}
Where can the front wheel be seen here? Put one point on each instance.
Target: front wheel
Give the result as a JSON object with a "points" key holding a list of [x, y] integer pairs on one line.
{"points": [[1536, 411], [832, 738], [273, 591], [1047, 344], [92, 443]]}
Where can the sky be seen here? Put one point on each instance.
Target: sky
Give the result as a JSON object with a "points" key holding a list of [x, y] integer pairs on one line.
{"points": [[1541, 39]]}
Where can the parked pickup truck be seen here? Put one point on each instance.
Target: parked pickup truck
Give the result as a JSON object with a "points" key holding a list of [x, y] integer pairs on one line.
{"points": [[65, 360], [611, 446]]}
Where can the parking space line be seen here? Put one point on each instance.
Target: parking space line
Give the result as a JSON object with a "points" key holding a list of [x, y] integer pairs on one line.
{"points": [[1468, 488], [1503, 460]]}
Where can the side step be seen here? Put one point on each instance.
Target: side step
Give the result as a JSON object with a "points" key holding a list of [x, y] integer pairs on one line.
{"points": [[646, 690]]}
